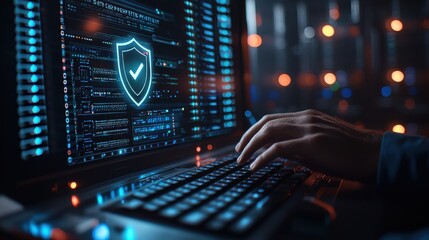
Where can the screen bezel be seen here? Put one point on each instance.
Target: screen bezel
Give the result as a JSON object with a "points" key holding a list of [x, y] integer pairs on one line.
{"points": [[49, 175]]}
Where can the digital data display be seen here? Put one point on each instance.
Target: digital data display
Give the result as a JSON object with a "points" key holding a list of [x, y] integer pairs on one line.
{"points": [[30, 88], [140, 75]]}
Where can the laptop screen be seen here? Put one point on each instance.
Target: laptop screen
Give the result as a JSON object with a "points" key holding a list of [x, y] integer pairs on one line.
{"points": [[103, 80]]}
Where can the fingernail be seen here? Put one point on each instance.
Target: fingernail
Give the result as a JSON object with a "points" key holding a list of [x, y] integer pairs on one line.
{"points": [[252, 166], [239, 159], [237, 147]]}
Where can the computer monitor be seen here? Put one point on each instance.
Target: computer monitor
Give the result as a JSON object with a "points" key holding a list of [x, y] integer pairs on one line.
{"points": [[118, 85]]}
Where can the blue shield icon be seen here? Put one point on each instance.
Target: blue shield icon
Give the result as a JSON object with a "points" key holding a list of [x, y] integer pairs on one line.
{"points": [[135, 69]]}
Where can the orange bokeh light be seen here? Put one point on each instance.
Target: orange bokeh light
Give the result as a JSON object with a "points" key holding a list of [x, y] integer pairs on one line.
{"points": [[59, 234], [258, 19], [396, 25], [92, 25], [284, 80], [329, 78], [334, 13], [397, 76], [398, 128], [254, 40], [354, 31], [73, 185], [307, 80], [198, 149], [343, 106], [410, 103], [209, 147], [328, 30], [426, 23], [197, 161], [75, 201]]}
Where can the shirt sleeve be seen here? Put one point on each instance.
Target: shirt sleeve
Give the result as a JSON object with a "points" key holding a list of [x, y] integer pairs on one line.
{"points": [[404, 161]]}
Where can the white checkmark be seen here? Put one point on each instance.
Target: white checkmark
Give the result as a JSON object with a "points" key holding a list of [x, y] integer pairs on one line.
{"points": [[136, 74]]}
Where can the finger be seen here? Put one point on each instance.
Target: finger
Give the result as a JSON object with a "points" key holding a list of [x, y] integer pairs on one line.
{"points": [[281, 149], [273, 131], [247, 136], [254, 129]]}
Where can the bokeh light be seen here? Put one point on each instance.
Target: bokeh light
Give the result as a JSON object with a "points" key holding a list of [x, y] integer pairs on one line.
{"points": [[73, 185], [101, 232], [386, 91], [307, 80], [346, 93], [354, 31], [284, 80], [343, 106], [309, 32], [329, 78], [92, 25], [334, 13], [254, 40], [397, 76], [426, 23], [396, 25], [398, 128], [410, 103], [328, 30], [258, 19], [75, 201]]}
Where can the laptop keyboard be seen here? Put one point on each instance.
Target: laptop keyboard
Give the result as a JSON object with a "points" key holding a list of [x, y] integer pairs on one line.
{"points": [[219, 196]]}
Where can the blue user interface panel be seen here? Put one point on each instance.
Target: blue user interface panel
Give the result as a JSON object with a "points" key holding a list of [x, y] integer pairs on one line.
{"points": [[140, 75]]}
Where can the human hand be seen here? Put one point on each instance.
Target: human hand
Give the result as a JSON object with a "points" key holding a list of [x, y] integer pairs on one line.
{"points": [[317, 140]]}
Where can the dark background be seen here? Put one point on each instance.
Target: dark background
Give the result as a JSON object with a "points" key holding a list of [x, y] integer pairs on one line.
{"points": [[362, 54]]}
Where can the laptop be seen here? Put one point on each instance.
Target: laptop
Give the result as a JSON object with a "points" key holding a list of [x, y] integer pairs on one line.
{"points": [[121, 121]]}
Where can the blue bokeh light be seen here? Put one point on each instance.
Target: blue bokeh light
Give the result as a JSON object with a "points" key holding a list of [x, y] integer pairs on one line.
{"points": [[34, 88], [38, 141], [410, 76], [99, 199], [32, 49], [31, 23], [34, 230], [34, 78], [33, 58], [35, 99], [121, 192], [37, 130], [37, 120], [30, 5], [32, 41], [129, 234], [346, 93], [101, 232], [45, 229], [32, 32], [273, 95], [39, 152], [342, 78], [386, 91], [30, 14], [327, 93], [248, 113], [33, 68], [35, 109]]}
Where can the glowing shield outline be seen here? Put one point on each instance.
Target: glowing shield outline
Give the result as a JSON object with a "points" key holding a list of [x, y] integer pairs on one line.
{"points": [[136, 95]]}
